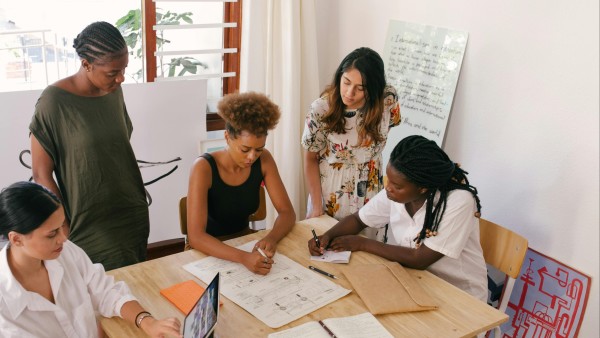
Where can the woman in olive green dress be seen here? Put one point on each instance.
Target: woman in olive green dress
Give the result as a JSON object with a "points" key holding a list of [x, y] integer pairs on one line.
{"points": [[80, 133]]}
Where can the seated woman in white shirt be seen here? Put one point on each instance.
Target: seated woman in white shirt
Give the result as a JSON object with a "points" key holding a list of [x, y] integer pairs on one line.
{"points": [[432, 212], [48, 285]]}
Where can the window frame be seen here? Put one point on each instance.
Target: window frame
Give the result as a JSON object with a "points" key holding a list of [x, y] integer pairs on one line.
{"points": [[232, 38]]}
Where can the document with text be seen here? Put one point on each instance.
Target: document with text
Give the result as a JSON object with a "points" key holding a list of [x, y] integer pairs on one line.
{"points": [[359, 326], [330, 256], [287, 293]]}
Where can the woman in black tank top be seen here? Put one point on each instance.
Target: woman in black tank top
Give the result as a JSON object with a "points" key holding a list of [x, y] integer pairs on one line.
{"points": [[224, 185]]}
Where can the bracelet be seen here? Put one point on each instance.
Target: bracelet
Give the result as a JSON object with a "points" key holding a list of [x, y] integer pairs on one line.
{"points": [[140, 316]]}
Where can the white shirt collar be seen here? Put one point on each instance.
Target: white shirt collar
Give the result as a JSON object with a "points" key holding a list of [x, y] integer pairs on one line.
{"points": [[16, 297]]}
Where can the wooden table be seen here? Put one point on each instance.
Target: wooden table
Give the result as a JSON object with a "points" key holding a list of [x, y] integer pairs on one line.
{"points": [[459, 314]]}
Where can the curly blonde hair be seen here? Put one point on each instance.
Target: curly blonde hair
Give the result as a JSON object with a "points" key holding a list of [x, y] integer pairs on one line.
{"points": [[251, 111]]}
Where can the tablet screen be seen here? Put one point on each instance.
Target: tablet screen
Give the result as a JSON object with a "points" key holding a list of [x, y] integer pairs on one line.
{"points": [[201, 320]]}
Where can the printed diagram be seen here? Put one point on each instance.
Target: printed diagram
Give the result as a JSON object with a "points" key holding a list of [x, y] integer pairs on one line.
{"points": [[548, 299], [287, 293]]}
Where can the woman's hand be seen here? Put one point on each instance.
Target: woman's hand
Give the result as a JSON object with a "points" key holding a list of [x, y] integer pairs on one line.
{"points": [[347, 243], [170, 327], [256, 263], [318, 250], [267, 245]]}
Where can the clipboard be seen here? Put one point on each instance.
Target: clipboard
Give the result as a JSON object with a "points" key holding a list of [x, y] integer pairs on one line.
{"points": [[388, 288]]}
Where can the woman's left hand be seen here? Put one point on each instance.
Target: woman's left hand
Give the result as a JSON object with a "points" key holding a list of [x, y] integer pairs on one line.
{"points": [[267, 245], [347, 243]]}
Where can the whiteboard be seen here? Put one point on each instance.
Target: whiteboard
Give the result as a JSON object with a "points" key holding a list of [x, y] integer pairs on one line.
{"points": [[423, 63], [169, 120]]}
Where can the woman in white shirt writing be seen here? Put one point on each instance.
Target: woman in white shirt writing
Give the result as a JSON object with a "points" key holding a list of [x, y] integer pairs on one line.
{"points": [[48, 285], [432, 211]]}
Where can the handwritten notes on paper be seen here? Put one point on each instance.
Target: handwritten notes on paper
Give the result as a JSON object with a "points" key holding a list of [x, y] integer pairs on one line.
{"points": [[290, 291], [330, 256], [423, 64]]}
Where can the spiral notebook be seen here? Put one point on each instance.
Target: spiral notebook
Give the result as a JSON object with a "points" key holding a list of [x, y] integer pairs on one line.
{"points": [[362, 325]]}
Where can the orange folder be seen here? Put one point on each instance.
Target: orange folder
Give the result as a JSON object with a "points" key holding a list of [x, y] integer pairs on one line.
{"points": [[183, 295]]}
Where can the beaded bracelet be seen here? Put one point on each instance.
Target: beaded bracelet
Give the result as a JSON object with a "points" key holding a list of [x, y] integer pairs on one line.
{"points": [[140, 316]]}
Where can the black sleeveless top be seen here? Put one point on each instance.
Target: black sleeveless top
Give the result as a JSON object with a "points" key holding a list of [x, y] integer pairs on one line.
{"points": [[230, 206]]}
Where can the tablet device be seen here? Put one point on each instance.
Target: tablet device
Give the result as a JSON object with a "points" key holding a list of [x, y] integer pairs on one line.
{"points": [[202, 319]]}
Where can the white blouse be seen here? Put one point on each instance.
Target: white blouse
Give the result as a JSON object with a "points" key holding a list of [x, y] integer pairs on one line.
{"points": [[79, 288], [457, 237]]}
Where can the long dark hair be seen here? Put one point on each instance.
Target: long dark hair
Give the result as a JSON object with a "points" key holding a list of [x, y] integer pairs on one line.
{"points": [[371, 68], [426, 165], [24, 206]]}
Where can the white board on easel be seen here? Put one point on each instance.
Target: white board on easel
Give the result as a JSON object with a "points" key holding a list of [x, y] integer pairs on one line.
{"points": [[423, 63]]}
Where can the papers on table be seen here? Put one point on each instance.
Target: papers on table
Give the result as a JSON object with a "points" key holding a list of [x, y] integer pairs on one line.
{"points": [[359, 326], [333, 257], [290, 291]]}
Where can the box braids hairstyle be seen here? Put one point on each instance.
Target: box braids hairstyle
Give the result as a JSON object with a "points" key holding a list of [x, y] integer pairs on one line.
{"points": [[98, 41], [426, 165]]}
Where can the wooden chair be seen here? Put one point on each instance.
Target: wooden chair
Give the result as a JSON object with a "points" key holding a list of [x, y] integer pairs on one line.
{"points": [[259, 215], [504, 250]]}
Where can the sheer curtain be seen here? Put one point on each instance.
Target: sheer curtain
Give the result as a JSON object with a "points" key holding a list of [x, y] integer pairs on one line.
{"points": [[279, 58]]}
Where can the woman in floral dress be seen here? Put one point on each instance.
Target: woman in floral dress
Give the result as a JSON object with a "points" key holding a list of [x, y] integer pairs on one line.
{"points": [[345, 132]]}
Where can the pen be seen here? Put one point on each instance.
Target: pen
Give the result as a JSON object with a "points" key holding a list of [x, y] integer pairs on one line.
{"points": [[327, 329], [262, 253], [322, 272], [316, 238]]}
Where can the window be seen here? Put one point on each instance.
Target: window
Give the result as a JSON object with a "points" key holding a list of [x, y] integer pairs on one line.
{"points": [[36, 38], [185, 38], [195, 39]]}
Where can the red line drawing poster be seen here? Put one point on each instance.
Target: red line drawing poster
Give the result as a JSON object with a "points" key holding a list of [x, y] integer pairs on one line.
{"points": [[548, 299]]}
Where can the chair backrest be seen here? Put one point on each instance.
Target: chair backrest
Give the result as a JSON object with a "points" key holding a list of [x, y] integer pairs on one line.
{"points": [[261, 212], [183, 215], [259, 215], [502, 248]]}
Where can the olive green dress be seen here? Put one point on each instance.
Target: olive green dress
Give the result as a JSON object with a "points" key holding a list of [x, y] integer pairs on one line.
{"points": [[97, 173]]}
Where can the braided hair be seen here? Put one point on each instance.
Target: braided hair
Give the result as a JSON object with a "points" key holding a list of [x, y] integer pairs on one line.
{"points": [[426, 165], [99, 40]]}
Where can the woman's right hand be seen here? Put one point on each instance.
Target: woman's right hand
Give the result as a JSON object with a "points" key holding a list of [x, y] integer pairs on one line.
{"points": [[318, 250], [155, 328], [256, 263]]}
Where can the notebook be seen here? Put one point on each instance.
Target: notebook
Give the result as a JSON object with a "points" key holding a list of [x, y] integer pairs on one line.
{"points": [[331, 256], [363, 325], [202, 319], [183, 295]]}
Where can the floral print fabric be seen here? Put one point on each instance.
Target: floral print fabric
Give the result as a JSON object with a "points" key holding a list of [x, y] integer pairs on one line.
{"points": [[350, 175]]}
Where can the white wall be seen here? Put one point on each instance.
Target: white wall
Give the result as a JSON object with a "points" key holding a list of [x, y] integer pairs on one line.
{"points": [[525, 116], [168, 122]]}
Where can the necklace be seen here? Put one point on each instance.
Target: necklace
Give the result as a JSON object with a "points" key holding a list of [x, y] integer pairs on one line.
{"points": [[349, 113]]}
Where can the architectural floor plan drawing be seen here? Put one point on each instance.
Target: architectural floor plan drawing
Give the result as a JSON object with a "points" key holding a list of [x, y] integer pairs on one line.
{"points": [[287, 293]]}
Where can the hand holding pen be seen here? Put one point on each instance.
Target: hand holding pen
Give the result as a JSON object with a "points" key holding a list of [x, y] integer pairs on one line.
{"points": [[258, 261], [317, 245]]}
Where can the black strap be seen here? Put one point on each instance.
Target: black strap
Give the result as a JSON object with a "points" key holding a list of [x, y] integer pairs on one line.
{"points": [[146, 164], [26, 151], [161, 176]]}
